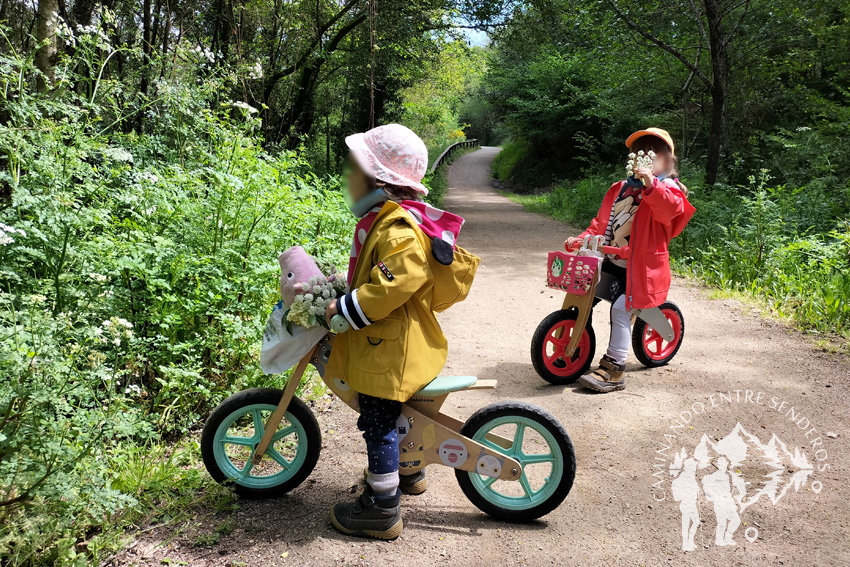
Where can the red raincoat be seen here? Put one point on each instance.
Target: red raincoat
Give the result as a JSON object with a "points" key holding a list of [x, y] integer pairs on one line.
{"points": [[661, 215]]}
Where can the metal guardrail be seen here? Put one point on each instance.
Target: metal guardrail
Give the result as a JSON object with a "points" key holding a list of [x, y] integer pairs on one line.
{"points": [[450, 150]]}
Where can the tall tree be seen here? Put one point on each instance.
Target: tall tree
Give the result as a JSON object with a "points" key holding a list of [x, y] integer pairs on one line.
{"points": [[45, 34], [717, 22]]}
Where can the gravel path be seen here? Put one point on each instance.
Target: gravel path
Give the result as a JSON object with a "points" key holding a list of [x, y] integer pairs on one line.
{"points": [[734, 368]]}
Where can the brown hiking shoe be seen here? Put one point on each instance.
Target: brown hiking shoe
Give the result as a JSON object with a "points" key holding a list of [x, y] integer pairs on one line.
{"points": [[607, 377]]}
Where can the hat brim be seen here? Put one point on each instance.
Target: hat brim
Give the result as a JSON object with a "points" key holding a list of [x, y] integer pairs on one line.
{"points": [[374, 168], [641, 133]]}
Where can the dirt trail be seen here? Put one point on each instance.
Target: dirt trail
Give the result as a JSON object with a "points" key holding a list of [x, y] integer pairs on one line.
{"points": [[613, 516]]}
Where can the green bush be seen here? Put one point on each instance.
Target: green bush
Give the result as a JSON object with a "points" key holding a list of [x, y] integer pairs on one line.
{"points": [[513, 153], [137, 272]]}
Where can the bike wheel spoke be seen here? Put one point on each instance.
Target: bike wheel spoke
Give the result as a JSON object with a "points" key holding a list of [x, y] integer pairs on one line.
{"points": [[246, 441], [283, 433], [277, 457], [489, 482], [526, 487], [246, 470], [259, 429], [490, 445], [556, 354], [518, 438], [537, 459]]}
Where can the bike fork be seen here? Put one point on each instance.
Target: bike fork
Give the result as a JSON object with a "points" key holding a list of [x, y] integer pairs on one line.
{"points": [[277, 416]]}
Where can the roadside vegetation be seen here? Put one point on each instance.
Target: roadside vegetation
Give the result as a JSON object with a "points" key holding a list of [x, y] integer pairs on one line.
{"points": [[149, 178]]}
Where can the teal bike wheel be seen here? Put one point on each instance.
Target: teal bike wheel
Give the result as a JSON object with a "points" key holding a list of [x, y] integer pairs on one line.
{"points": [[236, 427], [541, 445]]}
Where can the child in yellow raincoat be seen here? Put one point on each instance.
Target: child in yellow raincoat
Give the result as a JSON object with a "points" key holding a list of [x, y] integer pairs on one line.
{"points": [[395, 345]]}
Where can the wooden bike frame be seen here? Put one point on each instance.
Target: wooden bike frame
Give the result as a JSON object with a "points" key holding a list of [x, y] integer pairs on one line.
{"points": [[426, 435]]}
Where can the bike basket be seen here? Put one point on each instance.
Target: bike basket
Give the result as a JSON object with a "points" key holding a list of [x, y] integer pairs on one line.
{"points": [[571, 273]]}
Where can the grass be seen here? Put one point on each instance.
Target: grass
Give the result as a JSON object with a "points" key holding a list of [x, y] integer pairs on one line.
{"points": [[171, 489], [513, 154], [169, 485]]}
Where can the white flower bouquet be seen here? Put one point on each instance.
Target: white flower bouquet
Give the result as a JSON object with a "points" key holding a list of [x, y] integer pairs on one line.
{"points": [[639, 160], [312, 300]]}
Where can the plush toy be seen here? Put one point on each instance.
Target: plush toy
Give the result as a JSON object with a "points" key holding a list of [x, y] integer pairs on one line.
{"points": [[296, 268], [297, 321]]}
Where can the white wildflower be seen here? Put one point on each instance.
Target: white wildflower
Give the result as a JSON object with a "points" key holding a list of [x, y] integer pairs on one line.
{"points": [[116, 341], [6, 230], [245, 106], [256, 72], [308, 297]]}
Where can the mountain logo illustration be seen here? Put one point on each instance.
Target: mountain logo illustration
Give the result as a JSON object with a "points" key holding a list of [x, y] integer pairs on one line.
{"points": [[732, 474]]}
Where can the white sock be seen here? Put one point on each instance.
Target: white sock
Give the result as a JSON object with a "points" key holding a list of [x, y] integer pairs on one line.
{"points": [[621, 331], [383, 484]]}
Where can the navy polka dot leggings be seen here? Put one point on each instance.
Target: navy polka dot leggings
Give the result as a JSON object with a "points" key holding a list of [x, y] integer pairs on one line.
{"points": [[377, 421]]}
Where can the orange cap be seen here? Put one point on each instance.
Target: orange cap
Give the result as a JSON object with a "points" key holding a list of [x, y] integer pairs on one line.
{"points": [[657, 132]]}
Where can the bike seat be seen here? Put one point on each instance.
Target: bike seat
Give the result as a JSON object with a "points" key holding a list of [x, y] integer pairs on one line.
{"points": [[445, 384]]}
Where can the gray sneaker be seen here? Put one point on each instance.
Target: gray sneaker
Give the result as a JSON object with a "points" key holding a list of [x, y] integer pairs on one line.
{"points": [[370, 515]]}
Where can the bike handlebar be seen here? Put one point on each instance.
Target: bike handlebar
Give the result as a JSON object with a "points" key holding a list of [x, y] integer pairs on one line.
{"points": [[612, 250], [339, 324]]}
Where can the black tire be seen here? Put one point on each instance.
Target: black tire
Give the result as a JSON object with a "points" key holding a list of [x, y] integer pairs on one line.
{"points": [[639, 348], [579, 362], [548, 421], [271, 397]]}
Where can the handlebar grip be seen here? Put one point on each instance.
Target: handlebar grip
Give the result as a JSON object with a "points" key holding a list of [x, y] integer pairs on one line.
{"points": [[623, 253], [339, 324]]}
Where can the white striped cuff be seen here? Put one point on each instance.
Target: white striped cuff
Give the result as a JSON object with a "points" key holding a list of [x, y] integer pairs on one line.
{"points": [[352, 311]]}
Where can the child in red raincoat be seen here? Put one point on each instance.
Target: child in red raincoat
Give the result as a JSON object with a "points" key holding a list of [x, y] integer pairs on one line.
{"points": [[644, 213]]}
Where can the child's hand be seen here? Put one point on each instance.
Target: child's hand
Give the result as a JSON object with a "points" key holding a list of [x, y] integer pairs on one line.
{"points": [[645, 175], [331, 310], [574, 242]]}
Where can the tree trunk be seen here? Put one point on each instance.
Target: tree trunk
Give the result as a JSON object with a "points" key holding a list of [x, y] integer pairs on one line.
{"points": [[719, 88], [82, 11], [45, 33]]}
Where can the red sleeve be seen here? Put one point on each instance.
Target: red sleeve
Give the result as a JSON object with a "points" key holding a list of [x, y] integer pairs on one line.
{"points": [[600, 222], [666, 202]]}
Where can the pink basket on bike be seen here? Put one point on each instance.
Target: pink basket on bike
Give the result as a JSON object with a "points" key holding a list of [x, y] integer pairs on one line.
{"points": [[571, 273]]}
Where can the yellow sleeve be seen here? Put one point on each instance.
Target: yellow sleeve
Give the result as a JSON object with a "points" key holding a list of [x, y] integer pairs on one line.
{"points": [[401, 270]]}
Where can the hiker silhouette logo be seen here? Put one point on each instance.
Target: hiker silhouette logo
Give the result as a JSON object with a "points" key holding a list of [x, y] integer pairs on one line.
{"points": [[736, 482]]}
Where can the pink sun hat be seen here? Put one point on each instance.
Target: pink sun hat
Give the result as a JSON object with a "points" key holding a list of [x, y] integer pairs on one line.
{"points": [[393, 154]]}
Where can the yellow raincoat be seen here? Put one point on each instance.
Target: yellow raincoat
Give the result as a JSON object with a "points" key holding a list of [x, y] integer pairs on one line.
{"points": [[396, 345]]}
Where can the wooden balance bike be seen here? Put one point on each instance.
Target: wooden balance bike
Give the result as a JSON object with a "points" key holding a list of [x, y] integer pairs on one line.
{"points": [[513, 460], [560, 354]]}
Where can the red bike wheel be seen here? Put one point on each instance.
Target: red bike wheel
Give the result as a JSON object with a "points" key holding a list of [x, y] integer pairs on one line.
{"points": [[651, 349], [549, 343]]}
